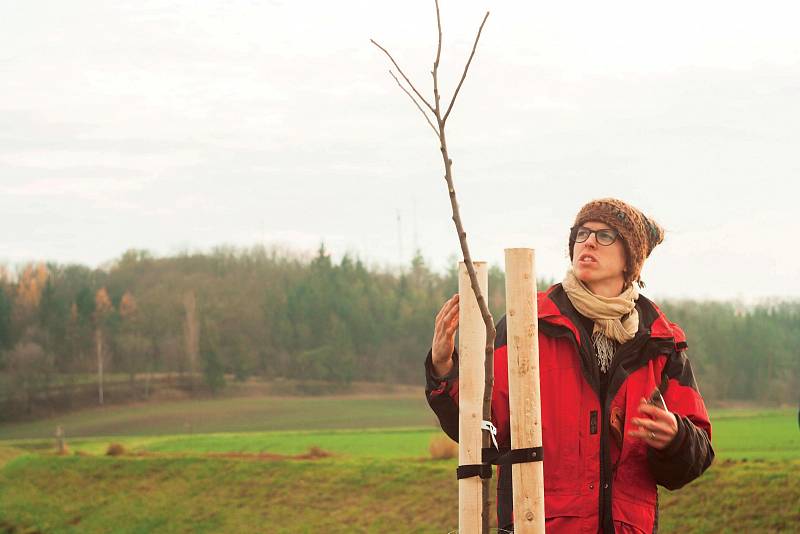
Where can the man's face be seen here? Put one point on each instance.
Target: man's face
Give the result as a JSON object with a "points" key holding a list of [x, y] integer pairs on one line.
{"points": [[599, 266]]}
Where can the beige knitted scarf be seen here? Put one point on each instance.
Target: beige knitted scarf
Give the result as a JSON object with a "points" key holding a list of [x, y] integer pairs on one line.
{"points": [[615, 318]]}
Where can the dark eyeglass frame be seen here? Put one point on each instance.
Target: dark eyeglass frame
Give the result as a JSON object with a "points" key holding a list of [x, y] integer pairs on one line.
{"points": [[606, 233]]}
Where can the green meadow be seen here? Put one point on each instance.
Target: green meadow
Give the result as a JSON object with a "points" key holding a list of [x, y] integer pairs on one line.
{"points": [[235, 465], [242, 414]]}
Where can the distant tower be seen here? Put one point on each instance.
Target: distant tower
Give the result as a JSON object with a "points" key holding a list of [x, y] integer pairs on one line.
{"points": [[399, 239], [416, 235]]}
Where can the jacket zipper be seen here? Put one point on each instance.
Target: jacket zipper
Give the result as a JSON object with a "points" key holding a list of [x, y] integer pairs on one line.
{"points": [[605, 520]]}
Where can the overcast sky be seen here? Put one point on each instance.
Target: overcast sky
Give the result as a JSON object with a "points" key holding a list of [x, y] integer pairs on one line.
{"points": [[173, 125]]}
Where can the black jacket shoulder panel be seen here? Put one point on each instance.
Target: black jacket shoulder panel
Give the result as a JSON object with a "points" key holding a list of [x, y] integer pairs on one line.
{"points": [[647, 312], [679, 367]]}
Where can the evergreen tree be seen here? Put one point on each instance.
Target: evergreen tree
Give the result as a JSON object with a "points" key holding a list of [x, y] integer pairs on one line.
{"points": [[271, 313]]}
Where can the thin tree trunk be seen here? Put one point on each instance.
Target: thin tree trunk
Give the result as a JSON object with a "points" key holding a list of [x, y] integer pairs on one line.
{"points": [[98, 339], [441, 120], [488, 320], [191, 333]]}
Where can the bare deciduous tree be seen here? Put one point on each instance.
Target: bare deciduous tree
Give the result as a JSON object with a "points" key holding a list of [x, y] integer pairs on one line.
{"points": [[191, 333], [102, 310], [440, 116]]}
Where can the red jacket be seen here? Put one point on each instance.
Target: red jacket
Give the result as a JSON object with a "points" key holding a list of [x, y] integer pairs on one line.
{"points": [[592, 483]]}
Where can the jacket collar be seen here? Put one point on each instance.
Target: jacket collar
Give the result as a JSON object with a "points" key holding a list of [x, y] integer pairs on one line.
{"points": [[555, 308]]}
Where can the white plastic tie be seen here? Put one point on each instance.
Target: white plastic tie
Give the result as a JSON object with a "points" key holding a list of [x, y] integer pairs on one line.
{"points": [[487, 425]]}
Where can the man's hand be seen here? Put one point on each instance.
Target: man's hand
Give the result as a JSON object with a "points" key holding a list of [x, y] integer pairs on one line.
{"points": [[444, 337], [657, 427]]}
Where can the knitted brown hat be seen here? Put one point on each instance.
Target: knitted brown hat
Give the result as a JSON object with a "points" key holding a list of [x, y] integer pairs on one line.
{"points": [[640, 235]]}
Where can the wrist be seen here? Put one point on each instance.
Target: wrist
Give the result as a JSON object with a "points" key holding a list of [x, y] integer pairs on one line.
{"points": [[442, 368]]}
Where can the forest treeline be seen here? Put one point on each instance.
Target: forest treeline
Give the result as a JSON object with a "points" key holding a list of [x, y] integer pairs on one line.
{"points": [[238, 313]]}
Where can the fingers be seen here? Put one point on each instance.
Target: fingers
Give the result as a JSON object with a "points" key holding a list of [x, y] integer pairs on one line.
{"points": [[653, 411], [450, 321], [442, 311], [648, 425], [446, 306], [657, 427], [445, 330], [447, 318], [653, 439]]}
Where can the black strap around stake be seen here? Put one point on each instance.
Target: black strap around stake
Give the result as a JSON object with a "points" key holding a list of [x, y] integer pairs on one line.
{"points": [[522, 456], [492, 456], [474, 470], [512, 456]]}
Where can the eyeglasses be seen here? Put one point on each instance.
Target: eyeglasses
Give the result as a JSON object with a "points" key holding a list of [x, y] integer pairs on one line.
{"points": [[604, 236]]}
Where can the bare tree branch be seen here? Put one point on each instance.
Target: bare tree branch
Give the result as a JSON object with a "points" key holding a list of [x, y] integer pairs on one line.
{"points": [[402, 74], [439, 47], [415, 103], [462, 235], [435, 74], [466, 68], [488, 320]]}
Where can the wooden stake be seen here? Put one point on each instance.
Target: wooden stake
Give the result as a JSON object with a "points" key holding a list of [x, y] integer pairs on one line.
{"points": [[61, 444], [523, 387], [471, 343]]}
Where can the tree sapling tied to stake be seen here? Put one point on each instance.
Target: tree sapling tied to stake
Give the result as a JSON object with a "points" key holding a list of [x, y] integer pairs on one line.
{"points": [[440, 116]]}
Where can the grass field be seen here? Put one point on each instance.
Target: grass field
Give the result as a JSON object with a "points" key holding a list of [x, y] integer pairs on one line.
{"points": [[736, 496], [386, 443], [756, 434], [174, 479], [287, 425], [234, 415], [81, 494]]}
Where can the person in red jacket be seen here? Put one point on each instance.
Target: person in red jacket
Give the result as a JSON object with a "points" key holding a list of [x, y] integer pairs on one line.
{"points": [[621, 411]]}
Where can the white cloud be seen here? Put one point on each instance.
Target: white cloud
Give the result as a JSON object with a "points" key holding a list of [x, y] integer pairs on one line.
{"points": [[159, 122]]}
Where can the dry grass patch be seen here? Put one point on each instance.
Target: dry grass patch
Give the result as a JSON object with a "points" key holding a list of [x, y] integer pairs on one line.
{"points": [[115, 449], [443, 448], [314, 453]]}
